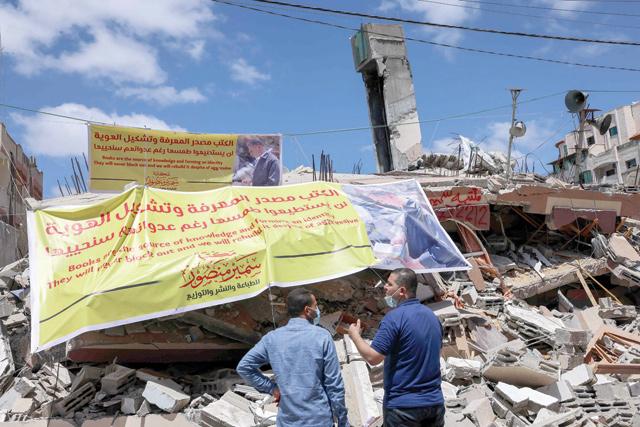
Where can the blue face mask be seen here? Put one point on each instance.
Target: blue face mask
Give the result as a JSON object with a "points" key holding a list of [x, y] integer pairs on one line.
{"points": [[390, 301], [316, 320]]}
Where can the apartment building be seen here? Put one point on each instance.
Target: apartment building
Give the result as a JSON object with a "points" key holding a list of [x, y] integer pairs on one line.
{"points": [[612, 158]]}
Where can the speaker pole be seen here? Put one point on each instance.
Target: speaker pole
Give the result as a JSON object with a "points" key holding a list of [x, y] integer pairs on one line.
{"points": [[582, 115], [514, 98]]}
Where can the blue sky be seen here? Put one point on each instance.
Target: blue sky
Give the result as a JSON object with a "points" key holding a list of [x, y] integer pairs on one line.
{"points": [[206, 67]]}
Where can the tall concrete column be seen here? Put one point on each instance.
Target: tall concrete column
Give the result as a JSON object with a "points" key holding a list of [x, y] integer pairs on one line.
{"points": [[380, 55]]}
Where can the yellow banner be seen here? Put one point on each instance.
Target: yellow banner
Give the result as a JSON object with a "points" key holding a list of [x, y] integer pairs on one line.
{"points": [[147, 252], [179, 160]]}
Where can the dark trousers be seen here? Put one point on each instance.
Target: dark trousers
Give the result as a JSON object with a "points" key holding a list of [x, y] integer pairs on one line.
{"points": [[429, 416]]}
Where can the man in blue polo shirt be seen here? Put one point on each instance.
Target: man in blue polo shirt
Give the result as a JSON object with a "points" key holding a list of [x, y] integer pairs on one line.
{"points": [[409, 341]]}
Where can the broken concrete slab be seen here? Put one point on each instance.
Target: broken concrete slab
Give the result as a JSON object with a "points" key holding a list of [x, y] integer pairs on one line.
{"points": [[561, 390], [164, 397], [480, 412], [580, 375], [513, 395], [223, 414]]}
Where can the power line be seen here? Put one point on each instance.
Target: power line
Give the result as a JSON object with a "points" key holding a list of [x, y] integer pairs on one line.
{"points": [[325, 131], [449, 26], [523, 6], [546, 18], [466, 49]]}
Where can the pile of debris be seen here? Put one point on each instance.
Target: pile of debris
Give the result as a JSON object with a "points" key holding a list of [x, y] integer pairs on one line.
{"points": [[544, 330]]}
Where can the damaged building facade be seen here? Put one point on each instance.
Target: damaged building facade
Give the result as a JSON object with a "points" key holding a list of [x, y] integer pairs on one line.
{"points": [[20, 178]]}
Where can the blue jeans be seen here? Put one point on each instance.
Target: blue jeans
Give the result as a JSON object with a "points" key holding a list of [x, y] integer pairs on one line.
{"points": [[429, 416]]}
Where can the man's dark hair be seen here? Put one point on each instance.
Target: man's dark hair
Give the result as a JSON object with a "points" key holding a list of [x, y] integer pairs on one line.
{"points": [[297, 300], [407, 278], [255, 141]]}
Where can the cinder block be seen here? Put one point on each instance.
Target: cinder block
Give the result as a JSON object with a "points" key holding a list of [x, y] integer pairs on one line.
{"points": [[76, 400], [118, 381], [512, 395]]}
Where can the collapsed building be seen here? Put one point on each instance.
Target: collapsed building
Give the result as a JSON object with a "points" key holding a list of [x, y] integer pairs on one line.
{"points": [[543, 330]]}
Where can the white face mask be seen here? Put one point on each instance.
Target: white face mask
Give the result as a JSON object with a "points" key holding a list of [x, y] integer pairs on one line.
{"points": [[388, 299]]}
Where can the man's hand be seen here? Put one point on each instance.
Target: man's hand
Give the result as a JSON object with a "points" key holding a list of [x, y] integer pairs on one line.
{"points": [[276, 396], [355, 329]]}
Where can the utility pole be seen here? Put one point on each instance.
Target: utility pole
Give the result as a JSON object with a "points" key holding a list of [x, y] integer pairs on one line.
{"points": [[582, 115], [514, 98]]}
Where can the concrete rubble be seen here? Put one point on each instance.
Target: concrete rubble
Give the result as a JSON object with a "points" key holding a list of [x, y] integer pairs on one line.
{"points": [[543, 331]]}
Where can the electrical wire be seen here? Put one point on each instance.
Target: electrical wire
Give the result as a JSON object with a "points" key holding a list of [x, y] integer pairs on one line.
{"points": [[449, 26], [326, 131], [546, 18], [465, 49], [523, 6]]}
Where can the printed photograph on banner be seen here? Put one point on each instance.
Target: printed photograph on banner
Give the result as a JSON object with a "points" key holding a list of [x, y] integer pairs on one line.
{"points": [[403, 229], [258, 161]]}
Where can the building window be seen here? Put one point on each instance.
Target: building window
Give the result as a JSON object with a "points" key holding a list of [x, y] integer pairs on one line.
{"points": [[591, 140], [610, 172], [631, 163], [586, 177], [565, 150], [613, 131]]}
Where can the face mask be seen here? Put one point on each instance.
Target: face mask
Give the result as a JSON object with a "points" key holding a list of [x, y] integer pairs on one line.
{"points": [[316, 320], [390, 301]]}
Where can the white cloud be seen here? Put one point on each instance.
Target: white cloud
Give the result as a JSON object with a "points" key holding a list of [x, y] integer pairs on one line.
{"points": [[163, 95], [242, 71], [436, 13], [99, 38], [195, 49], [58, 137], [495, 137]]}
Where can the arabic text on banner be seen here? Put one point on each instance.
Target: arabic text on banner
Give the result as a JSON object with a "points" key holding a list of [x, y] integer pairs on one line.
{"points": [[147, 253], [180, 160]]}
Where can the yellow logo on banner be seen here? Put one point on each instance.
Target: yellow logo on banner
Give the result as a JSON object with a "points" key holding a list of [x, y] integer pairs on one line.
{"points": [[147, 253]]}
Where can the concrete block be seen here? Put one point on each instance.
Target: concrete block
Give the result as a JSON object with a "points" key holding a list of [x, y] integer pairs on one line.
{"points": [[463, 368], [223, 414], [634, 389], [561, 390], [76, 400], [612, 391], [87, 374], [449, 391], [145, 409], [512, 395], [24, 386], [480, 412], [580, 375], [359, 397], [499, 408], [65, 378], [237, 401], [455, 419], [23, 405], [131, 404], [539, 400], [165, 398], [118, 381], [574, 337]]}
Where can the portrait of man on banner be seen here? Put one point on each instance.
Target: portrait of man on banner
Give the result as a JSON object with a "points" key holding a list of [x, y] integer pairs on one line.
{"points": [[258, 161]]}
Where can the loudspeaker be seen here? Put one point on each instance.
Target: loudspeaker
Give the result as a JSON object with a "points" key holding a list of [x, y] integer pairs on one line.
{"points": [[575, 101], [518, 129]]}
